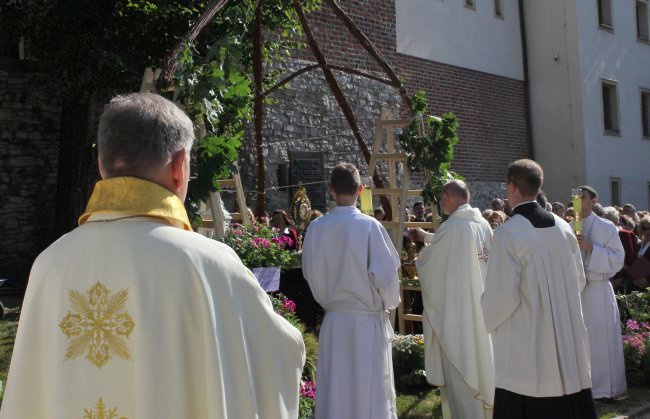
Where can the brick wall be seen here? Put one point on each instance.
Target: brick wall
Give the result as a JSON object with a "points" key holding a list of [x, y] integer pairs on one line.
{"points": [[491, 109], [29, 133]]}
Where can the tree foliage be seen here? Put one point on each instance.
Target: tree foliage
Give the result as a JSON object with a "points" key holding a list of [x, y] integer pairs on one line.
{"points": [[101, 47], [433, 150]]}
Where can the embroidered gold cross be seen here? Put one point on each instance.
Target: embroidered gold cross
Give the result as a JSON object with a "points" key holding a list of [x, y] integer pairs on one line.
{"points": [[483, 254], [98, 325], [102, 412]]}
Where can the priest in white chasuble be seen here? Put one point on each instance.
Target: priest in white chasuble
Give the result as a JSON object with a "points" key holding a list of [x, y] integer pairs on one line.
{"points": [[531, 305], [132, 315], [603, 256], [452, 268], [351, 266]]}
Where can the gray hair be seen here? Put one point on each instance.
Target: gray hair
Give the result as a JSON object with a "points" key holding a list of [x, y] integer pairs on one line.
{"points": [[611, 214], [456, 188], [139, 133]]}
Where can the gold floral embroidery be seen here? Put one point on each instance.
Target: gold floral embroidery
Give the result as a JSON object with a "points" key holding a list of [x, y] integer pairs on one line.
{"points": [[97, 324], [102, 412]]}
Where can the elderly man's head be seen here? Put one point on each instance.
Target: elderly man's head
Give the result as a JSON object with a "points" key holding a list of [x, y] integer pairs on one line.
{"points": [[454, 194], [146, 136]]}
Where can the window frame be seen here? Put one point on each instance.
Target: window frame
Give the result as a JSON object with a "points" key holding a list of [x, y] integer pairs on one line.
{"points": [[498, 6], [645, 40], [645, 92], [611, 83], [612, 181], [601, 25]]}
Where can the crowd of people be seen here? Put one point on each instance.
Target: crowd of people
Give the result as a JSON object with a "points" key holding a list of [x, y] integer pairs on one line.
{"points": [[133, 314]]}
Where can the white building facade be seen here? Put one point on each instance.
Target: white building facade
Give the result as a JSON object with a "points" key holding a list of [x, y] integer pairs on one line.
{"points": [[589, 69], [587, 65]]}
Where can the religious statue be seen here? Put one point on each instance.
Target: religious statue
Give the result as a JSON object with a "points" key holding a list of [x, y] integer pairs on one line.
{"points": [[301, 208]]}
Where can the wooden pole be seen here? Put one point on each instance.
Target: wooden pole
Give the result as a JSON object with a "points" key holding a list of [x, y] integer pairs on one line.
{"points": [[368, 45], [340, 97], [258, 109], [170, 62]]}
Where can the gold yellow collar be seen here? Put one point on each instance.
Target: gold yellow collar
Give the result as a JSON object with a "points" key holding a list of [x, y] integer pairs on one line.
{"points": [[133, 196]]}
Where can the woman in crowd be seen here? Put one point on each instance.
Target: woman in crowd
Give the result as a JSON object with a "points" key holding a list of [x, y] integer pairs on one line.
{"points": [[280, 220]]}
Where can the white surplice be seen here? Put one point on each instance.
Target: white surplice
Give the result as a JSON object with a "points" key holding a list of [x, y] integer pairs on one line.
{"points": [[458, 349], [532, 308], [351, 266], [600, 309], [138, 319]]}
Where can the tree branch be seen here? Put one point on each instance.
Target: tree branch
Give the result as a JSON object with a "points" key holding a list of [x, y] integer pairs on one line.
{"points": [[340, 97], [368, 45], [170, 62], [333, 67]]}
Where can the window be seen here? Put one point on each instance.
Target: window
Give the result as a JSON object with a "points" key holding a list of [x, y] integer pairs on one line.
{"points": [[470, 4], [605, 13], [645, 113], [615, 188], [610, 107], [498, 8], [642, 31]]}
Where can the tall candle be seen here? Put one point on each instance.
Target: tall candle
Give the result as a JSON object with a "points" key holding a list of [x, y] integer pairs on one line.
{"points": [[366, 201], [577, 207]]}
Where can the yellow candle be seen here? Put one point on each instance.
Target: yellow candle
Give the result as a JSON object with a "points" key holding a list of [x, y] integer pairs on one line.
{"points": [[366, 201], [577, 207]]}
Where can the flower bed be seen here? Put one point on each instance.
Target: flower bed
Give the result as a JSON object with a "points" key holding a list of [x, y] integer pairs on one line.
{"points": [[635, 310], [287, 309], [408, 361], [259, 246]]}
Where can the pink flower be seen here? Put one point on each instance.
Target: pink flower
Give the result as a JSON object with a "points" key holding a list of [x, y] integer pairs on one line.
{"points": [[287, 240], [289, 305], [632, 325], [308, 389], [261, 242]]}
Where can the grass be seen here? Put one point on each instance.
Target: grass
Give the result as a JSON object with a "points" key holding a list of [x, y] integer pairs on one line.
{"points": [[425, 404], [419, 404]]}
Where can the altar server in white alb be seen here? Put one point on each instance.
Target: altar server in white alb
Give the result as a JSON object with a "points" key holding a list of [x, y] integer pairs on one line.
{"points": [[132, 314], [603, 256], [351, 266], [531, 305], [452, 269]]}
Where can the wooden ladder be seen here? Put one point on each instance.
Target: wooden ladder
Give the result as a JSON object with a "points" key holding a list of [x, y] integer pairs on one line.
{"points": [[218, 221], [397, 196]]}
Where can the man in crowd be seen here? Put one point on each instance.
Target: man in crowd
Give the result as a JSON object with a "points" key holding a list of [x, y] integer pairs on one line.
{"points": [[418, 212], [532, 308], [458, 350], [351, 266], [133, 313], [603, 256]]}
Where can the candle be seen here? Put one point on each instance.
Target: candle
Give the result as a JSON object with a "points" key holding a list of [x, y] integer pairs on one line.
{"points": [[366, 201], [577, 207]]}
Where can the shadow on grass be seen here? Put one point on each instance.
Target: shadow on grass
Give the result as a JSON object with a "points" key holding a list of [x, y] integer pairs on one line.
{"points": [[420, 403]]}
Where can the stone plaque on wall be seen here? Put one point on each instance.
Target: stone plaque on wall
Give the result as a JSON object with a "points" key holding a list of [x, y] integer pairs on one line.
{"points": [[306, 168]]}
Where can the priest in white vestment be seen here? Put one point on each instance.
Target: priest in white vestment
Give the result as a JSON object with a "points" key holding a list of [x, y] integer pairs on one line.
{"points": [[351, 266], [532, 308], [132, 314], [603, 256], [452, 269]]}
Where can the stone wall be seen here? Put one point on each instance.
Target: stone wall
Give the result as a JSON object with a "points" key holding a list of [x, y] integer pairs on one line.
{"points": [[306, 117], [29, 133]]}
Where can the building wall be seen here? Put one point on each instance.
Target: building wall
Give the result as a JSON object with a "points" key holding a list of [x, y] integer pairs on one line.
{"points": [[449, 32], [306, 117], [491, 108], [29, 133], [555, 95], [616, 56]]}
